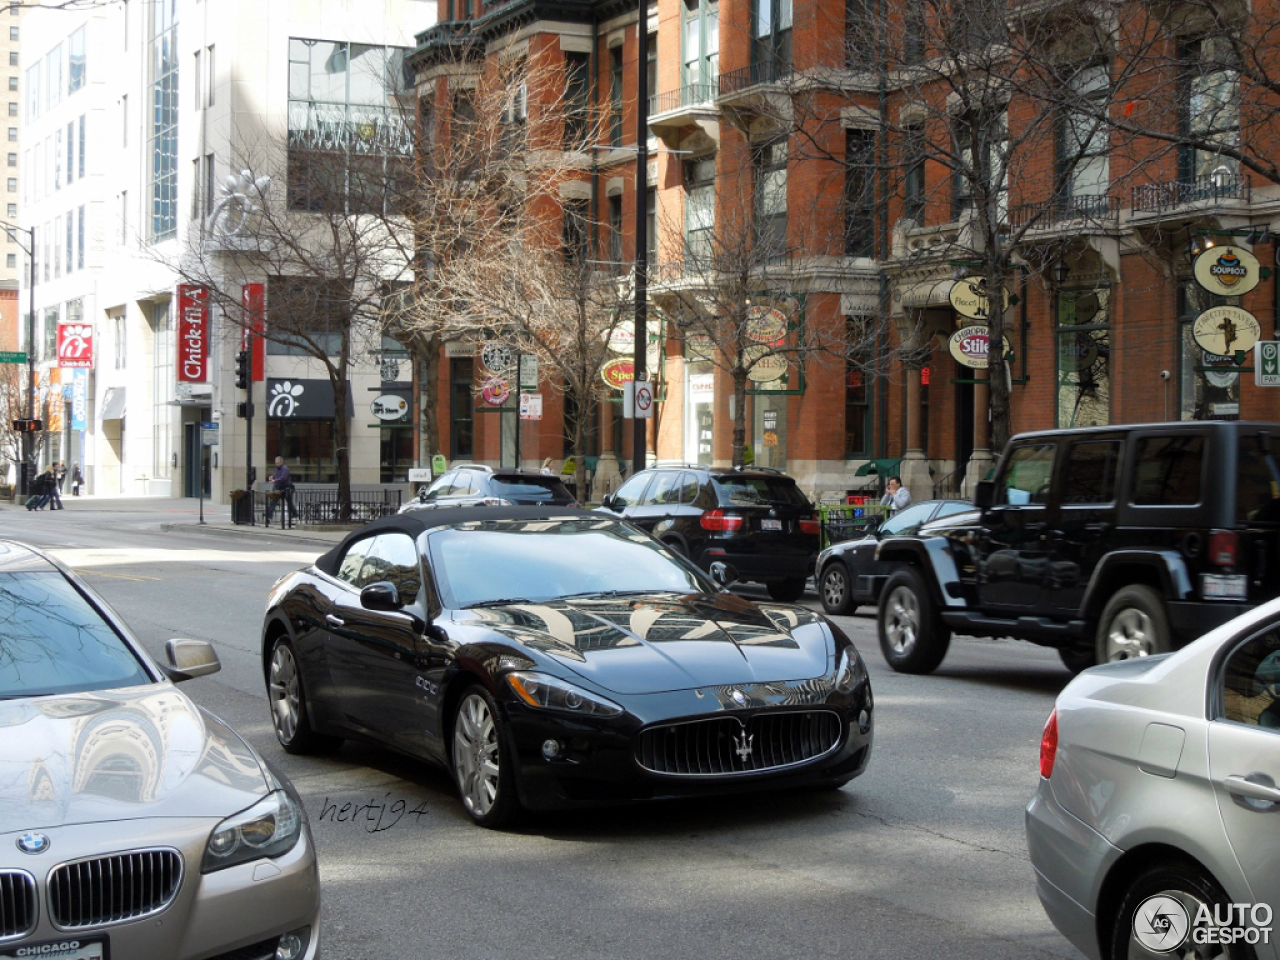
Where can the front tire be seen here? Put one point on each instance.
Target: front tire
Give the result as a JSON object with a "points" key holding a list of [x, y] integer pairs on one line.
{"points": [[290, 714], [787, 591], [1134, 624], [913, 637], [836, 589], [1191, 888], [483, 761]]}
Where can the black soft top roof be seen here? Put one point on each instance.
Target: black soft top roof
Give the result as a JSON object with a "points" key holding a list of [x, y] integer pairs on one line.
{"points": [[419, 521]]}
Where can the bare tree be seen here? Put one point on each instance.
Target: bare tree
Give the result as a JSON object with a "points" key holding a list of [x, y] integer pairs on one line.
{"points": [[505, 233]]}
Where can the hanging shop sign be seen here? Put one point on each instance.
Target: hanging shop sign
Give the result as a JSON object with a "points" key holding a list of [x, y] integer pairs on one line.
{"points": [[193, 333], [969, 298], [617, 372], [1225, 330], [297, 399], [622, 338], [495, 391], [765, 367], [389, 407], [1228, 272], [970, 345], [497, 357], [75, 345], [766, 324]]}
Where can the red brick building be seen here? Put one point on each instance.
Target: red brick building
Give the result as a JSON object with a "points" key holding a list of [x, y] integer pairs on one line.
{"points": [[1107, 154]]}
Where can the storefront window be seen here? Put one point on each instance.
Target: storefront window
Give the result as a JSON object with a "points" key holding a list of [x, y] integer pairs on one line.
{"points": [[699, 427], [770, 441], [307, 448], [1084, 357], [396, 454]]}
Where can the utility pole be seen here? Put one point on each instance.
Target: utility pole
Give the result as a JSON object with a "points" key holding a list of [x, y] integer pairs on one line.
{"points": [[641, 425]]}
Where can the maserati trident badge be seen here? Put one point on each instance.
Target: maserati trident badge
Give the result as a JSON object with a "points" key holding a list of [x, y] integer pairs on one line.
{"points": [[739, 698], [34, 842], [742, 745]]}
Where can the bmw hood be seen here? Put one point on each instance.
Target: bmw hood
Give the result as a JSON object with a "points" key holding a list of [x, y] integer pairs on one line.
{"points": [[661, 642], [120, 755]]}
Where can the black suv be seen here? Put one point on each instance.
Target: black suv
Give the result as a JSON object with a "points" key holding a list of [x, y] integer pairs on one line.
{"points": [[753, 518], [1106, 543], [475, 485]]}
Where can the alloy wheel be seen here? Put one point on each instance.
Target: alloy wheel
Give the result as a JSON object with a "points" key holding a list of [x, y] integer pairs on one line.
{"points": [[476, 755], [902, 623], [285, 692]]}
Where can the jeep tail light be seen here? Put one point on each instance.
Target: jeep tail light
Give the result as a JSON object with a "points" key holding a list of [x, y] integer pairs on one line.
{"points": [[809, 525], [1049, 745], [718, 521], [1224, 548]]}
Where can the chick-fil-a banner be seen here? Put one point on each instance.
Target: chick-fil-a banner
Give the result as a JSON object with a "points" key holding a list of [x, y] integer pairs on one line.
{"points": [[75, 345], [193, 333]]}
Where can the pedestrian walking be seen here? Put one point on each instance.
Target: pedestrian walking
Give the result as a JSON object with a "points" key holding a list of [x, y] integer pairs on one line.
{"points": [[55, 488], [77, 479], [42, 488], [282, 483]]}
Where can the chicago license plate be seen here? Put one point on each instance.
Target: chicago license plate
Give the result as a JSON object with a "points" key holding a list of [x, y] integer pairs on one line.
{"points": [[72, 948], [770, 524], [1214, 586]]}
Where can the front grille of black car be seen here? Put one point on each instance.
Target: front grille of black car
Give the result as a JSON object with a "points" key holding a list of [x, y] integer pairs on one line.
{"points": [[17, 903], [729, 746], [124, 886]]}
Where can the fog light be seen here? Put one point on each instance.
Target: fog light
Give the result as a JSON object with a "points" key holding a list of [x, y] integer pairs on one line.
{"points": [[864, 721], [292, 945], [550, 749]]}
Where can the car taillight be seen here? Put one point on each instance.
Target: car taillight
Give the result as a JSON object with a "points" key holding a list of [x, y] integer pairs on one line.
{"points": [[1224, 546], [1049, 745], [720, 522], [809, 525]]}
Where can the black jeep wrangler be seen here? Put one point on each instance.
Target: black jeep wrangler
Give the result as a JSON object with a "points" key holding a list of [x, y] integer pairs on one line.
{"points": [[1106, 543]]}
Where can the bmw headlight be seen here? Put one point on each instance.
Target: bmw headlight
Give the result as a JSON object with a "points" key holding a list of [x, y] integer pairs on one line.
{"points": [[267, 829], [850, 671], [551, 693]]}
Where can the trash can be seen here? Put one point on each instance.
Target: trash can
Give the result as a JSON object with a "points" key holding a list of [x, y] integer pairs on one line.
{"points": [[242, 508]]}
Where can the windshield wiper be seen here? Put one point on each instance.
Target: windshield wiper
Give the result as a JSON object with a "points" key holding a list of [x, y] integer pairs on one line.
{"points": [[503, 601]]}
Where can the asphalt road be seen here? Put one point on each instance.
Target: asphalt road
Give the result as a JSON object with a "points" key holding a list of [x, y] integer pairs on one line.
{"points": [[922, 856]]}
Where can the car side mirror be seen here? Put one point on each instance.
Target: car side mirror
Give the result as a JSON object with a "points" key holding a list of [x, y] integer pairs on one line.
{"points": [[188, 659], [382, 595], [422, 494], [607, 502], [984, 494], [723, 573]]}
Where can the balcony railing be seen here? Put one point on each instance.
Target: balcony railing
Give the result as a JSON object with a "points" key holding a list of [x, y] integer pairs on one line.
{"points": [[1065, 209], [1167, 196], [766, 71], [691, 94]]}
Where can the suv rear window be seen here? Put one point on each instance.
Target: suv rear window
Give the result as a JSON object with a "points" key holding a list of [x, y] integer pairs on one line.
{"points": [[1257, 482], [531, 489], [1168, 471], [749, 490]]}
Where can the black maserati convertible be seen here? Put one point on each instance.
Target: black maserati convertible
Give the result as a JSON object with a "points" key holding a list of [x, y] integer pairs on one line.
{"points": [[549, 657]]}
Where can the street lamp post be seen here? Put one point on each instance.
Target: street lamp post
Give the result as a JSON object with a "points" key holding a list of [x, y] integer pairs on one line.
{"points": [[24, 477]]}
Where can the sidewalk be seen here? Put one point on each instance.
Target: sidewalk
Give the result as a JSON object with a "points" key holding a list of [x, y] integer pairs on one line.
{"points": [[188, 514]]}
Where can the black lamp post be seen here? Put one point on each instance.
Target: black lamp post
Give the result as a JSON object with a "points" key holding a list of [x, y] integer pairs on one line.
{"points": [[24, 479]]}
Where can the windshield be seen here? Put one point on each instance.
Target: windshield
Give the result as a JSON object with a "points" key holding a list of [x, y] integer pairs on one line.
{"points": [[907, 522], [53, 641], [493, 561]]}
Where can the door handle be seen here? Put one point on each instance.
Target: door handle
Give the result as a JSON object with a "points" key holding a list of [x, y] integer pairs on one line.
{"points": [[334, 621], [1251, 789]]}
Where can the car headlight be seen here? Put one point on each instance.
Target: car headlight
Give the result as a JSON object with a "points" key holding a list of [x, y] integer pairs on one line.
{"points": [[267, 829], [551, 693], [850, 671]]}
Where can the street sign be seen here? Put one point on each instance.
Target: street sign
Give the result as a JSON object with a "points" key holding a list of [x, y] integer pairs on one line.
{"points": [[528, 372], [209, 433], [530, 406], [1266, 363], [643, 399], [13, 356]]}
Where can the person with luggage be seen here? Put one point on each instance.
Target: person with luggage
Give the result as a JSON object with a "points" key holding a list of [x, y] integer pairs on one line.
{"points": [[59, 472], [42, 490]]}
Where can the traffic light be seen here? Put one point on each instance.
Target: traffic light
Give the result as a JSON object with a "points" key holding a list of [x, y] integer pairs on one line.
{"points": [[243, 369], [28, 426]]}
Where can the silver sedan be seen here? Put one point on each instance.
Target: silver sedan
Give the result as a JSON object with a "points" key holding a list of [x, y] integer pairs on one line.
{"points": [[133, 823], [1154, 830]]}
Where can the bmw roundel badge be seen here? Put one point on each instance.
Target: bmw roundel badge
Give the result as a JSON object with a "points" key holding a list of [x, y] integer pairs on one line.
{"points": [[34, 842]]}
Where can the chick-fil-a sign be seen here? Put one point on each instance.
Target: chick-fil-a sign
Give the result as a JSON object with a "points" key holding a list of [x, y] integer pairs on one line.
{"points": [[193, 333]]}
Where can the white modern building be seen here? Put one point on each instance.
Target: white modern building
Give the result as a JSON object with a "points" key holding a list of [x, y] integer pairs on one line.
{"points": [[134, 117]]}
